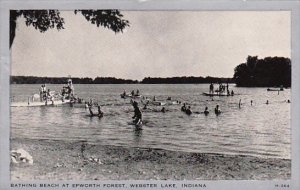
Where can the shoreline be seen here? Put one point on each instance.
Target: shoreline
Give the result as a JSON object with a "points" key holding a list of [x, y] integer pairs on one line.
{"points": [[60, 160]]}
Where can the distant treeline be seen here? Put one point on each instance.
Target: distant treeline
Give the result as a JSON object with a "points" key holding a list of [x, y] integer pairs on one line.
{"points": [[185, 80], [63, 80], [267, 72], [112, 80]]}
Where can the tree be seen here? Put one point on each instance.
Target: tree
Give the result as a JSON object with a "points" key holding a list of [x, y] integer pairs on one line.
{"points": [[270, 71], [43, 20], [251, 62]]}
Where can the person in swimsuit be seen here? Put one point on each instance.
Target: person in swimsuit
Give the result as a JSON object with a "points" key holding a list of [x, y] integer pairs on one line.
{"points": [[137, 114]]}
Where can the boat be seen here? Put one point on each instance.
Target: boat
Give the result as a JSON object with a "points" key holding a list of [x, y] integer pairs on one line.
{"points": [[216, 94], [130, 96], [275, 89], [174, 103], [158, 103]]}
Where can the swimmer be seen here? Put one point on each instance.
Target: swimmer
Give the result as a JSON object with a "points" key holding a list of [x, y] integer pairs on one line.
{"points": [[217, 110], [86, 105], [267, 102], [251, 102], [183, 108], [206, 112], [145, 107], [188, 110], [163, 110], [100, 113]]}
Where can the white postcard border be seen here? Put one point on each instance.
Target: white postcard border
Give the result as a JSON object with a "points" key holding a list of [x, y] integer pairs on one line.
{"points": [[293, 6]]}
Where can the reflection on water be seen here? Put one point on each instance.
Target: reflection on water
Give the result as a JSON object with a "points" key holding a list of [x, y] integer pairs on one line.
{"points": [[137, 135], [258, 130]]}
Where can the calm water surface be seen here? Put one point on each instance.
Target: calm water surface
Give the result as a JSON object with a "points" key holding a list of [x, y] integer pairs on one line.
{"points": [[259, 130]]}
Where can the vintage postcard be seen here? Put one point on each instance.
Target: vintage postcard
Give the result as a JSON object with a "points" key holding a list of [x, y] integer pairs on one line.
{"points": [[145, 95]]}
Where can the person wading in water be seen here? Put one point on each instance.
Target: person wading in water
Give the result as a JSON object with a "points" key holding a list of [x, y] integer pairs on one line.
{"points": [[137, 114]]}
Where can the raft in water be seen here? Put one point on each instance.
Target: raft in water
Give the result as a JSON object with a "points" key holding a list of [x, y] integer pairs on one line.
{"points": [[216, 94]]}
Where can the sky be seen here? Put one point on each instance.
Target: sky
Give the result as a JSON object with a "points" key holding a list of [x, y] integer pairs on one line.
{"points": [[157, 44]]}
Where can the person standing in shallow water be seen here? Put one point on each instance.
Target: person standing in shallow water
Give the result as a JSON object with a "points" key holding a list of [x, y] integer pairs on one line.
{"points": [[41, 93], [211, 88], [137, 114]]}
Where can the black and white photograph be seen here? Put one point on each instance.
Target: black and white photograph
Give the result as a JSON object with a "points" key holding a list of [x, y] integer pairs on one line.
{"points": [[151, 95], [146, 98]]}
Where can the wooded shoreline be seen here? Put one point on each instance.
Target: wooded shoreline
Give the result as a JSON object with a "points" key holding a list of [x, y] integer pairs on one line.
{"points": [[113, 80]]}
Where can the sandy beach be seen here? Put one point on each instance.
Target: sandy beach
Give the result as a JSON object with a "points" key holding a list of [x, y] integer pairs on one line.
{"points": [[60, 160]]}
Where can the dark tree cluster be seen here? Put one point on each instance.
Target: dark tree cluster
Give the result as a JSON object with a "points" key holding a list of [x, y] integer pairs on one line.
{"points": [[63, 80], [185, 80], [267, 72]]}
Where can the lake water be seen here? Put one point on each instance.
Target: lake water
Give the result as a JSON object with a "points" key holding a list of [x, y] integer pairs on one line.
{"points": [[259, 130]]}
